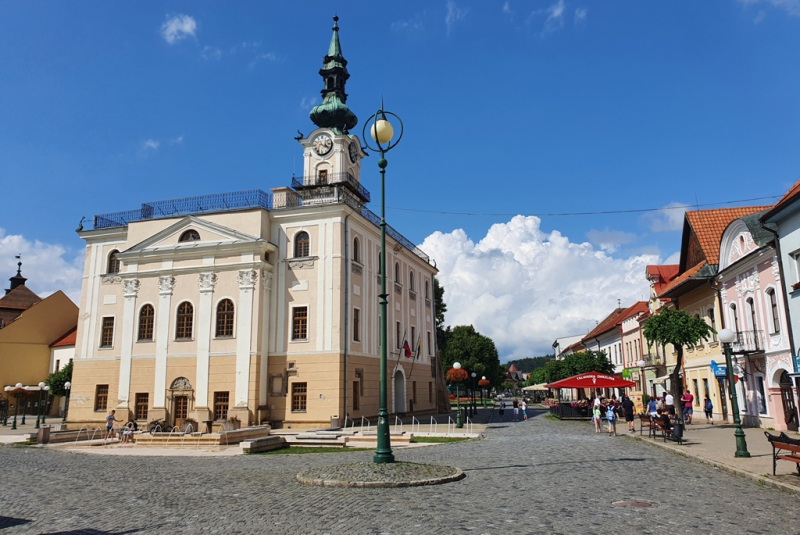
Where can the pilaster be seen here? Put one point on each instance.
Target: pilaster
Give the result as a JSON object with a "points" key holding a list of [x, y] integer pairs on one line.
{"points": [[165, 286], [206, 283], [247, 280], [130, 289]]}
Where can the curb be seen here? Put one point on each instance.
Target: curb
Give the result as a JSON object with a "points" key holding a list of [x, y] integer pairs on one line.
{"points": [[761, 480], [344, 483]]}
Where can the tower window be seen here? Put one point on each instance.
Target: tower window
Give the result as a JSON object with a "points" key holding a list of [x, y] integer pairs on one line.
{"points": [[183, 326], [224, 319], [146, 319], [356, 250], [113, 262], [323, 176], [189, 235], [302, 245]]}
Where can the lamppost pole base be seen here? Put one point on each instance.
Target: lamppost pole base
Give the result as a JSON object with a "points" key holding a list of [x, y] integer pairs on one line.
{"points": [[741, 444]]}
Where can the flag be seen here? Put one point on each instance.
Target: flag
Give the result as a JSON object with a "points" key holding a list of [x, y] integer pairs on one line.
{"points": [[406, 350]]}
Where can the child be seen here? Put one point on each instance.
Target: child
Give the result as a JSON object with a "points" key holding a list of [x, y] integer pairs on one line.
{"points": [[596, 418], [611, 416], [709, 410]]}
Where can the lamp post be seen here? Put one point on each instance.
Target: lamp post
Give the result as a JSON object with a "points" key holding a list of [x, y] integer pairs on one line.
{"points": [[67, 386], [8, 402], [641, 364], [474, 408], [726, 336], [483, 380], [459, 423], [17, 394], [381, 132], [39, 405]]}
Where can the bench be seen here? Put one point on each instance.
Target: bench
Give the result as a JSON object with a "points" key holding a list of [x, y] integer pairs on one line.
{"points": [[646, 422], [784, 447], [666, 432]]}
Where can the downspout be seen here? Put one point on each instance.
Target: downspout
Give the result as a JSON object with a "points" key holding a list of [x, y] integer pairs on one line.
{"points": [[783, 285], [346, 308]]}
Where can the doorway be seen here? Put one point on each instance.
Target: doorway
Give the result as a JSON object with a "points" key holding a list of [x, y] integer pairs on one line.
{"points": [[723, 396], [181, 411], [399, 392], [181, 397], [787, 397]]}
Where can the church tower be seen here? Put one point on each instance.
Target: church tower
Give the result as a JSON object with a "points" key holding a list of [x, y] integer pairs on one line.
{"points": [[332, 156]]}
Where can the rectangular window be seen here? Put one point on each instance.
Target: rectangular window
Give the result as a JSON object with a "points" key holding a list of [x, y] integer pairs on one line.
{"points": [[360, 378], [430, 392], [58, 365], [323, 176], [221, 405], [356, 325], [142, 401], [300, 323], [429, 344], [101, 397], [356, 397], [397, 335], [299, 393], [696, 392], [107, 336], [414, 391], [433, 366], [705, 388], [413, 341], [761, 395]]}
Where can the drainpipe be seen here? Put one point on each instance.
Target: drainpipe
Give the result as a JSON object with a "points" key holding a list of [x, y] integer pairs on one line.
{"points": [[346, 307], [783, 285]]}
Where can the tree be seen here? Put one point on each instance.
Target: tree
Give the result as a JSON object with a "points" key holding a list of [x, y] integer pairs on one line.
{"points": [[440, 307], [678, 328], [573, 364], [57, 379], [476, 353]]}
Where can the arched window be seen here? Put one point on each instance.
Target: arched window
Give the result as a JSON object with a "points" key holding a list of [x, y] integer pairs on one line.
{"points": [[773, 304], [397, 272], [147, 316], [735, 318], [302, 245], [113, 262], [356, 250], [183, 325], [427, 290], [379, 262], [713, 323], [189, 235], [411, 280], [752, 310], [225, 318]]}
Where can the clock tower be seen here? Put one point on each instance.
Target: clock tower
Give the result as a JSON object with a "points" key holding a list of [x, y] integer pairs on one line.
{"points": [[332, 156]]}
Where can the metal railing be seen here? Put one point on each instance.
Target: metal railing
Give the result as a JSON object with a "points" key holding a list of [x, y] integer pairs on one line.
{"points": [[749, 341], [334, 178]]}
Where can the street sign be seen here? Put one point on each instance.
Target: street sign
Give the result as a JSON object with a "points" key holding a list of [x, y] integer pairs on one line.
{"points": [[721, 371]]}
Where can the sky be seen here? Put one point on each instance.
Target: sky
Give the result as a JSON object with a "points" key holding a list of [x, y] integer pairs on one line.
{"points": [[550, 148]]}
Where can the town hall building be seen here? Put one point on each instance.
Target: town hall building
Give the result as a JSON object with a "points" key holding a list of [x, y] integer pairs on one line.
{"points": [[263, 306]]}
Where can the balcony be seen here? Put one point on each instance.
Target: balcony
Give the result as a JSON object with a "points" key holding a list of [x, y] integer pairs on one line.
{"points": [[653, 360], [749, 342], [333, 179]]}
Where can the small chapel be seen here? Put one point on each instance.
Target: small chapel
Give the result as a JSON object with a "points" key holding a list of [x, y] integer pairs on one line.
{"points": [[263, 307]]}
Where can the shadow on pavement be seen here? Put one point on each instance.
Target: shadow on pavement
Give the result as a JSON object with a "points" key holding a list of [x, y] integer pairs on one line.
{"points": [[10, 522]]}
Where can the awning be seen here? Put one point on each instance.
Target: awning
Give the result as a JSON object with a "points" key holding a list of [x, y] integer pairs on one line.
{"points": [[541, 387], [592, 380], [660, 380]]}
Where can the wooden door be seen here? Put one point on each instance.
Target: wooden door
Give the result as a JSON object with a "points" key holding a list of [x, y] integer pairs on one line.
{"points": [[723, 396], [181, 409], [789, 407]]}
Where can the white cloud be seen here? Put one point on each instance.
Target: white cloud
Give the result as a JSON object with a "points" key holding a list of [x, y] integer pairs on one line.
{"points": [[668, 219], [150, 144], [580, 15], [178, 28], [759, 18], [507, 9], [454, 15], [554, 17], [610, 240], [177, 140], [792, 7], [410, 25], [48, 267], [211, 53], [524, 288], [308, 102]]}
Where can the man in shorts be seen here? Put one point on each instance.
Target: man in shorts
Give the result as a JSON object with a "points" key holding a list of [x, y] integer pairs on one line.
{"points": [[110, 419], [688, 400], [515, 404], [524, 407]]}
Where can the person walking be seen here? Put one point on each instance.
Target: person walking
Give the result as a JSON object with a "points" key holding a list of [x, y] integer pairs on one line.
{"points": [[515, 404], [628, 408], [688, 409], [708, 408], [652, 406], [524, 407], [110, 419], [502, 410], [596, 419], [611, 417]]}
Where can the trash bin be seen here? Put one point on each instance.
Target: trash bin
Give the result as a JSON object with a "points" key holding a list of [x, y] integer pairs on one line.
{"points": [[335, 423], [44, 435], [677, 429]]}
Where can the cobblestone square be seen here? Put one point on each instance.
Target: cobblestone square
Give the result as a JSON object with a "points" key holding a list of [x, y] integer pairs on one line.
{"points": [[539, 476]]}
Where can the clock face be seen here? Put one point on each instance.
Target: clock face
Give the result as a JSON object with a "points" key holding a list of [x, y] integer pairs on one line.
{"points": [[322, 144], [353, 152]]}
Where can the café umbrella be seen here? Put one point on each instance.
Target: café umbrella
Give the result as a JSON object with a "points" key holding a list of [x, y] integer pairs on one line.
{"points": [[592, 380]]}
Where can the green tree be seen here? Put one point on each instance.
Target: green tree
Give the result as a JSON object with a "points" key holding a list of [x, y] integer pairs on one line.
{"points": [[678, 328], [440, 307], [574, 364], [57, 379], [476, 353]]}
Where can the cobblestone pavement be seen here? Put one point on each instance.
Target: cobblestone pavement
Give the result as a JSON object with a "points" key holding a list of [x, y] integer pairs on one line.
{"points": [[538, 476]]}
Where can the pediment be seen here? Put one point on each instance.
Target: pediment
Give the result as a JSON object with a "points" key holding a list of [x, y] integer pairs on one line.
{"points": [[211, 235]]}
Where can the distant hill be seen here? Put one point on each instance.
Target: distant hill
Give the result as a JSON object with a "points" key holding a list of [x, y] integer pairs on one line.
{"points": [[527, 365]]}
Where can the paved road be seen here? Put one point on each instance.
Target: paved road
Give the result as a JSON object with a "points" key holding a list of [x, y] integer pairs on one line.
{"points": [[538, 476]]}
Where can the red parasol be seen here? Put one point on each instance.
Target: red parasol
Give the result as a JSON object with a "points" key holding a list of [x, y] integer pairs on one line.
{"points": [[592, 380]]}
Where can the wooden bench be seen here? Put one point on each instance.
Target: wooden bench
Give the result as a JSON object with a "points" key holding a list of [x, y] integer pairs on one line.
{"points": [[646, 422], [784, 447], [665, 431]]}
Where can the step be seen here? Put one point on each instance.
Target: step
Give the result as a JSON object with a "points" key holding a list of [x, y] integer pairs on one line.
{"points": [[257, 445]]}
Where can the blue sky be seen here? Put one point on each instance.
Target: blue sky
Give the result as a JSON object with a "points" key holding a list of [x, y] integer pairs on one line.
{"points": [[511, 109]]}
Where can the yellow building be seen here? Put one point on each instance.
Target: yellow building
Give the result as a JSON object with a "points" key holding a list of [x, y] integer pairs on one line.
{"points": [[255, 305]]}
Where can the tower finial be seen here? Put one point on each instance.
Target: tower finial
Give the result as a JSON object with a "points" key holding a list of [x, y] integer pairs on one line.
{"points": [[333, 112]]}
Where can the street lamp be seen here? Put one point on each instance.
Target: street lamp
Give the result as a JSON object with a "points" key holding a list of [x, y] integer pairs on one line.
{"points": [[474, 408], [483, 380], [726, 336], [641, 364], [8, 402], [44, 409], [459, 423], [381, 132], [17, 394], [39, 405], [67, 386]]}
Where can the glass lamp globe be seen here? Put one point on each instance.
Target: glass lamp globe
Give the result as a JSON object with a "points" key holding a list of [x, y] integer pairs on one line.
{"points": [[726, 336], [382, 131], [457, 365]]}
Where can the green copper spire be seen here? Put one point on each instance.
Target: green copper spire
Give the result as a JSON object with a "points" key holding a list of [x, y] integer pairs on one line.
{"points": [[333, 112]]}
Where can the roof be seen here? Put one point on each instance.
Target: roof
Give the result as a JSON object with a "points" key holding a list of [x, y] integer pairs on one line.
{"points": [[660, 276], [20, 298], [68, 339], [708, 226], [787, 200], [682, 278], [607, 324], [637, 308], [512, 368], [574, 347]]}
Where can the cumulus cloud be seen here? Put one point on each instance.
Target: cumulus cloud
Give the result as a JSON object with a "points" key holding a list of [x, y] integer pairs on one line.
{"points": [[524, 287], [48, 267], [454, 15], [792, 7], [150, 145], [554, 17], [610, 240], [177, 28], [668, 219]]}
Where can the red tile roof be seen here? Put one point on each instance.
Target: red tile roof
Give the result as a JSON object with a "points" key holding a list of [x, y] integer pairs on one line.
{"points": [[708, 226], [606, 325], [20, 298], [638, 308], [660, 276], [512, 368], [788, 198], [683, 277], [66, 340]]}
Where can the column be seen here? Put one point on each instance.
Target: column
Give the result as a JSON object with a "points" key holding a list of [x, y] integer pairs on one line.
{"points": [[165, 287], [266, 284], [244, 321], [130, 288], [206, 283]]}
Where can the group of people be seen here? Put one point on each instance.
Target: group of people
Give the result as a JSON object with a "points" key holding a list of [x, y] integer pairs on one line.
{"points": [[127, 431], [517, 405], [666, 404], [612, 410], [661, 408]]}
